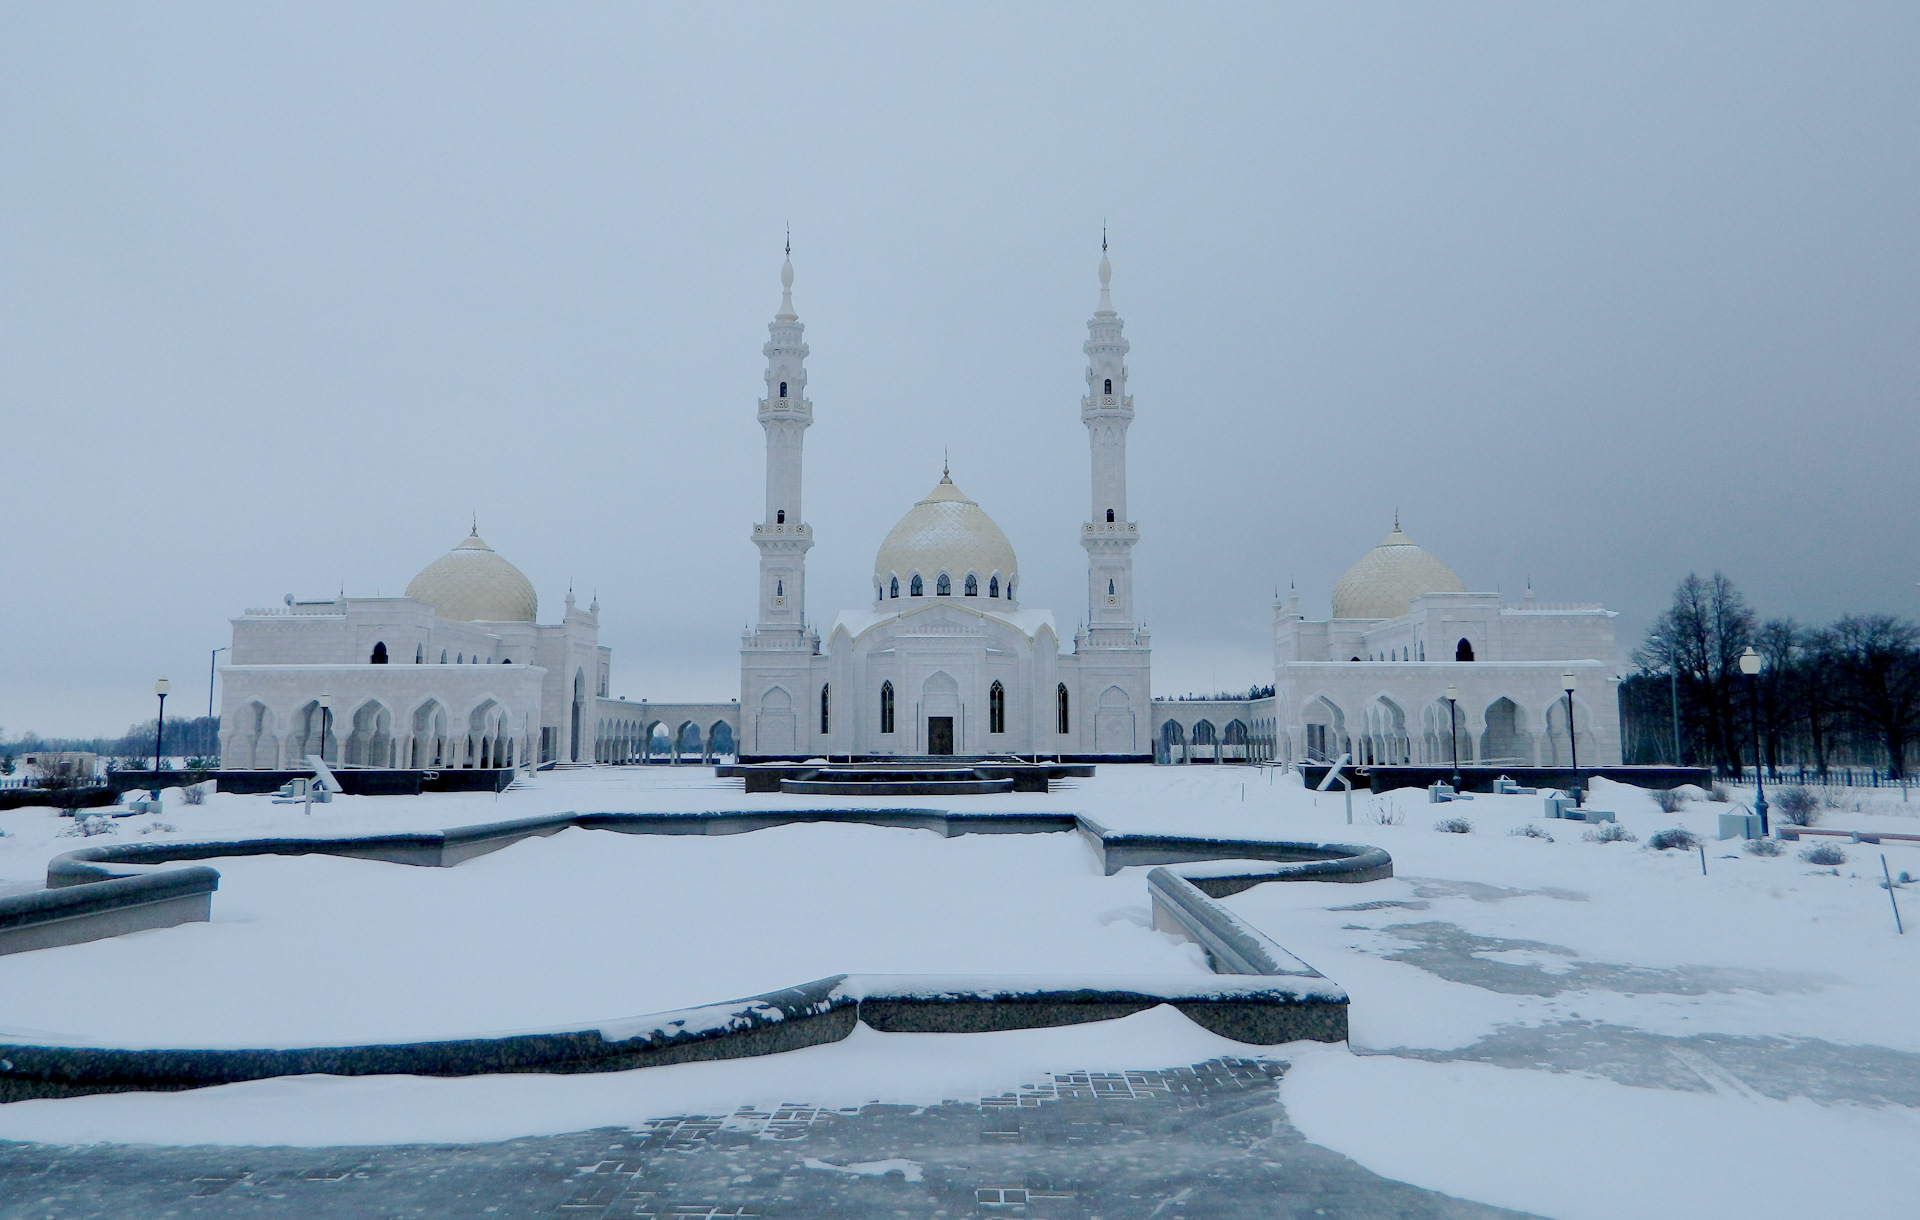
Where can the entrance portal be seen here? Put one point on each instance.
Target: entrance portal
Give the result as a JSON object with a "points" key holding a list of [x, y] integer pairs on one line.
{"points": [[939, 734]]}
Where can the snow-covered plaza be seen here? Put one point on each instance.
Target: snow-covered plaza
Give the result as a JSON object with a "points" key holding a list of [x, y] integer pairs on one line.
{"points": [[1554, 1025]]}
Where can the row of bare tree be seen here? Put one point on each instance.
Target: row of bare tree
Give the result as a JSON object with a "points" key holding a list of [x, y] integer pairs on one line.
{"points": [[1844, 694]]}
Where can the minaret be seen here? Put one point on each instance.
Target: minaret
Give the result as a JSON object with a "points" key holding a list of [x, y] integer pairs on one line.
{"points": [[1109, 534], [783, 536]]}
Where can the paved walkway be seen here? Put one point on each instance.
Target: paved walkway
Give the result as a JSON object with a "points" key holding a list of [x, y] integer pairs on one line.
{"points": [[1185, 1144]]}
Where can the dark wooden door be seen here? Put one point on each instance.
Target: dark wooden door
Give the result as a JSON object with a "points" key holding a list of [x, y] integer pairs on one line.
{"points": [[939, 734]]}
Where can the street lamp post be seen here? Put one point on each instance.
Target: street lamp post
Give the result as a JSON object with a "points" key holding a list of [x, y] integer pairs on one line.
{"points": [[210, 659], [326, 715], [1573, 742], [1750, 664], [160, 688], [1453, 731]]}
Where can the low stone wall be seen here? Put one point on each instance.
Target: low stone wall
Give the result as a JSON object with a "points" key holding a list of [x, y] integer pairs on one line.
{"points": [[363, 781], [1260, 993], [58, 798]]}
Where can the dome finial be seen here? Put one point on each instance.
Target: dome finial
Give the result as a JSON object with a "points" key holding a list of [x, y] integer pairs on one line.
{"points": [[475, 532], [946, 471], [1396, 519]]}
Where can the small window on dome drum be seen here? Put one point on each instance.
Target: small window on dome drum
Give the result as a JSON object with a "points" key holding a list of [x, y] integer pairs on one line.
{"points": [[915, 588], [973, 585], [993, 587], [894, 584], [943, 587]]}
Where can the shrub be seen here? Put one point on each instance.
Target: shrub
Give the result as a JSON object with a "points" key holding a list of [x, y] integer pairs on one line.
{"points": [[1609, 832], [1454, 826], [193, 794], [1826, 855], [1384, 814], [1670, 800], [165, 828], [1764, 847], [1797, 806], [88, 825], [1719, 794], [1668, 840], [1530, 831]]}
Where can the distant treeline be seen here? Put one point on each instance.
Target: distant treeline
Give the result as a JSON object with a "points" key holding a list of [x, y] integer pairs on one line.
{"points": [[198, 737], [1843, 694]]}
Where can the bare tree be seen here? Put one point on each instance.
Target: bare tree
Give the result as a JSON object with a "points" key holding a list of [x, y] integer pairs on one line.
{"points": [[1877, 659], [1701, 636]]}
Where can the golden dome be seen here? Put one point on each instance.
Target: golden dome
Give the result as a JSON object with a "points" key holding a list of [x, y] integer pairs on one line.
{"points": [[1387, 577], [471, 583]]}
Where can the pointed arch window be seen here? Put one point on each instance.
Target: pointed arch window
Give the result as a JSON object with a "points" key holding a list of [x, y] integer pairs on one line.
{"points": [[1463, 651], [894, 584], [886, 707], [915, 588], [443, 656], [1060, 709], [826, 707], [783, 389], [779, 588], [993, 586], [943, 587], [1109, 586], [419, 654], [1109, 385], [1009, 588], [973, 585], [460, 658], [379, 656], [997, 709]]}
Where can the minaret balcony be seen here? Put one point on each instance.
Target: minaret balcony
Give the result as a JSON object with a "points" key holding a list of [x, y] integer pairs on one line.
{"points": [[785, 408], [1115, 530], [1097, 406]]}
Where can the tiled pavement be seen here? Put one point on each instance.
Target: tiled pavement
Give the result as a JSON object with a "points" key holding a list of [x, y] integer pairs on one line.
{"points": [[1203, 1141]]}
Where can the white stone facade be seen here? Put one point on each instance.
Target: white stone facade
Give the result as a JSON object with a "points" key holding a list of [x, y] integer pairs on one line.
{"points": [[945, 661], [410, 688]]}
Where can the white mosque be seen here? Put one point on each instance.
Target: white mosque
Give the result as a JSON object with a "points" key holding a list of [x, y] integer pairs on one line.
{"points": [[945, 660], [1410, 667]]}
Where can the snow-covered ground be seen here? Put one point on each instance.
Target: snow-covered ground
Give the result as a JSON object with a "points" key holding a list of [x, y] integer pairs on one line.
{"points": [[1569, 1027]]}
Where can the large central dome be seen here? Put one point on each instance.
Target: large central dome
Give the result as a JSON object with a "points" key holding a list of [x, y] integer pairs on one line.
{"points": [[946, 533], [471, 583], [1387, 577]]}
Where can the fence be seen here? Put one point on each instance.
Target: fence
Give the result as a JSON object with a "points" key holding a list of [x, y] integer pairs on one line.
{"points": [[1835, 777]]}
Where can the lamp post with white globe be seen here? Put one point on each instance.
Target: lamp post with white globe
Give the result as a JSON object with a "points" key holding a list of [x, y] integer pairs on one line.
{"points": [[1751, 663]]}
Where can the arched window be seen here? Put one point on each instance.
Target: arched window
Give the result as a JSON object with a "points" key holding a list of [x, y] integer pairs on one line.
{"points": [[1009, 588], [1109, 586], [419, 654], [894, 584], [780, 518], [1109, 516], [915, 588], [993, 587], [943, 586], [443, 656], [1463, 651], [779, 588], [506, 660], [1109, 385], [460, 658], [379, 653], [783, 389], [997, 709], [1060, 708], [973, 585], [886, 707], [825, 706]]}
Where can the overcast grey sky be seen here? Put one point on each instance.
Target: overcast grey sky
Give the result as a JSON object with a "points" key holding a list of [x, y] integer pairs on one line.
{"points": [[1599, 294]]}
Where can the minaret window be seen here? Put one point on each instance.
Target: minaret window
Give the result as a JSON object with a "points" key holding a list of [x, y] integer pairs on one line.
{"points": [[1109, 515], [915, 588], [886, 707], [1109, 385], [826, 706], [783, 389], [780, 518], [1109, 586], [894, 584], [779, 588], [973, 585], [993, 586], [997, 709], [1060, 708], [943, 587]]}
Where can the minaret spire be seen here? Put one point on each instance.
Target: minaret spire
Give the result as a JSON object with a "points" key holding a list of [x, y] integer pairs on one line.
{"points": [[1109, 535], [783, 535]]}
